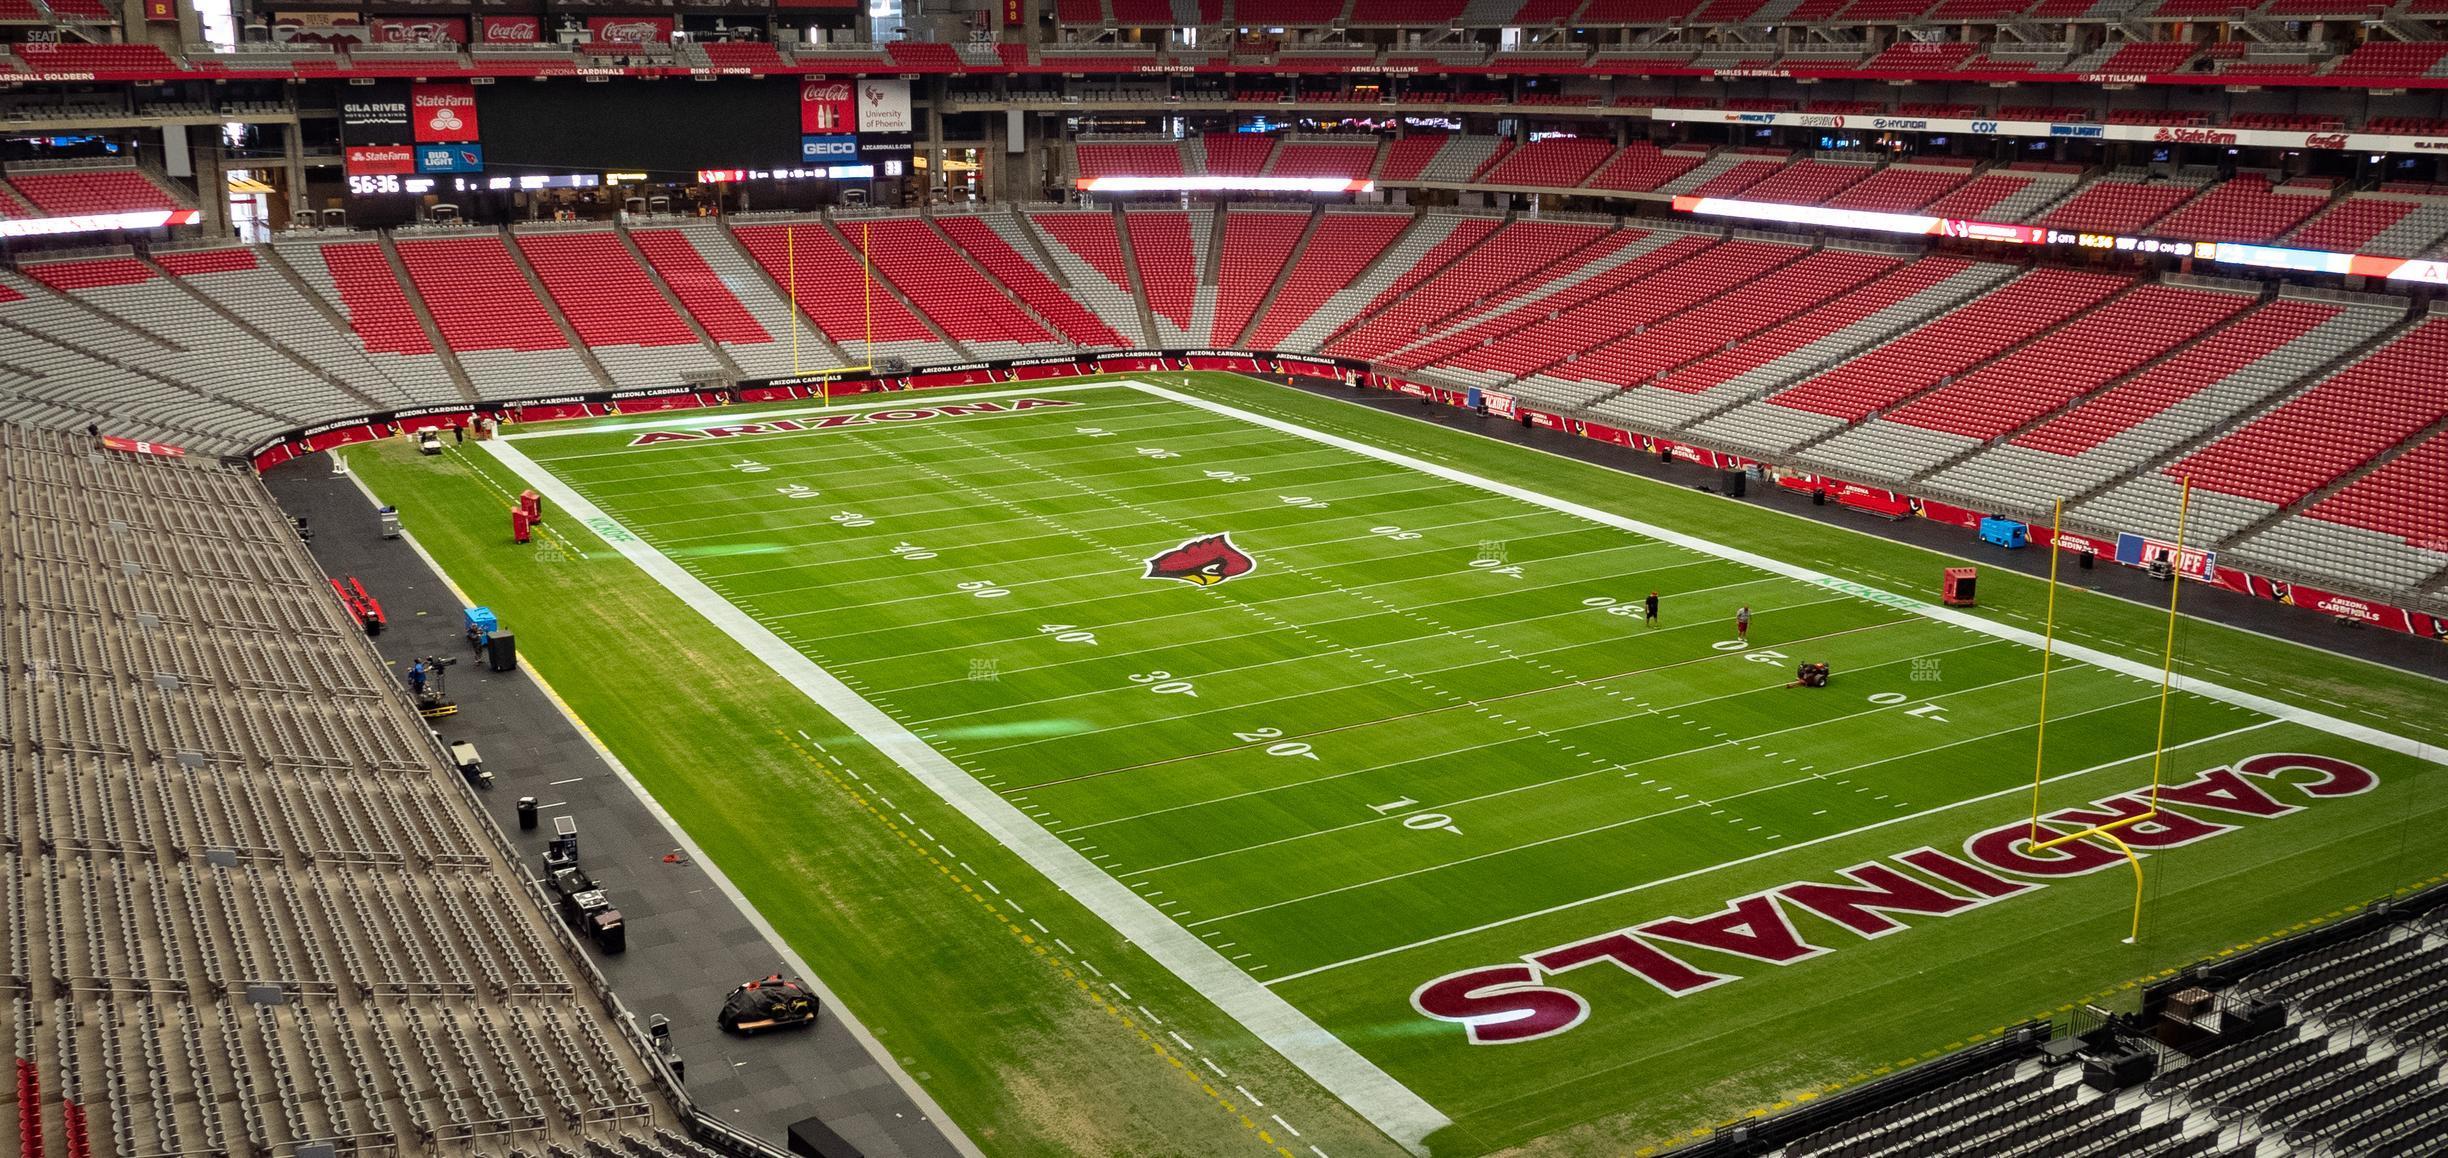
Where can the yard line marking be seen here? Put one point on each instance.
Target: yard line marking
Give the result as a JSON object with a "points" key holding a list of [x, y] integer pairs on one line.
{"points": [[2116, 663], [1253, 1098], [1286, 1125], [1506, 740], [1449, 804], [1699, 872]]}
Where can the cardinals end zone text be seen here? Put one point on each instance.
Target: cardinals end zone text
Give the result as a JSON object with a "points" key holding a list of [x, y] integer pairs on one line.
{"points": [[1509, 1003], [847, 418]]}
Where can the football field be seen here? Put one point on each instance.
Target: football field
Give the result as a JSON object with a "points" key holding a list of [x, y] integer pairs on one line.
{"points": [[1380, 753]]}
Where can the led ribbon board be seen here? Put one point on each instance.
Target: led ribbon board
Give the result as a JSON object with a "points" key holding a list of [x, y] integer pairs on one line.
{"points": [[2224, 252]]}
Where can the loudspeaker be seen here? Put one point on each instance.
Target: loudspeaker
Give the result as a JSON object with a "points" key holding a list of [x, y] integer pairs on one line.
{"points": [[1665, 453], [501, 651], [1736, 484], [1818, 498], [2085, 559], [811, 1138], [2120, 1069]]}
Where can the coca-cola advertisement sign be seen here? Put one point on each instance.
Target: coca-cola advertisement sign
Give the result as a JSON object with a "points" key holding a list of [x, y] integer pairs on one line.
{"points": [[629, 29], [2325, 141], [418, 30], [510, 29], [827, 105]]}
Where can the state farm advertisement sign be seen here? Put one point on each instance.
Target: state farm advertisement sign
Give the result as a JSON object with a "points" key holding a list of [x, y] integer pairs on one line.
{"points": [[418, 30], [827, 106], [629, 29], [442, 113], [379, 160], [510, 29]]}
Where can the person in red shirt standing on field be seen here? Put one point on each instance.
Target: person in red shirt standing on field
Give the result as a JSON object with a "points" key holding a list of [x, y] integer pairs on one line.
{"points": [[1742, 623]]}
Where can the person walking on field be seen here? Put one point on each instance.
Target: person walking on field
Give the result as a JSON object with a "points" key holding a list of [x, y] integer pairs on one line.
{"points": [[1650, 606], [1742, 623]]}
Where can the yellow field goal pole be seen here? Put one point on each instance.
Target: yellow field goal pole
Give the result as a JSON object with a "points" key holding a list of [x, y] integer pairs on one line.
{"points": [[2167, 680], [790, 264]]}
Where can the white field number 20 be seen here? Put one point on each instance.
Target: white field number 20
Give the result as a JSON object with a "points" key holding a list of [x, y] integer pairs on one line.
{"points": [[1281, 747]]}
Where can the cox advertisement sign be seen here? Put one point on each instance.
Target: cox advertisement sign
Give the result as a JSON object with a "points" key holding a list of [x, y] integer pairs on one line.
{"points": [[829, 149], [450, 159]]}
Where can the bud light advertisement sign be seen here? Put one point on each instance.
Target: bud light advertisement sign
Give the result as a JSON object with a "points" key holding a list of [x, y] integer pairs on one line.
{"points": [[450, 158]]}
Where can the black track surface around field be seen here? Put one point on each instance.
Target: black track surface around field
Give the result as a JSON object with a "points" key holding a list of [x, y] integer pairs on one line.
{"points": [[687, 944]]}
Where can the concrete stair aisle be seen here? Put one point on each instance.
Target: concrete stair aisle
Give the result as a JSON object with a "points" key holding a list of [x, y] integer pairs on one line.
{"points": [[722, 358], [425, 318], [270, 342], [2146, 499], [2289, 538], [552, 309], [1210, 283], [1148, 322], [423, 376], [1887, 451], [1424, 232], [1664, 409], [1266, 301], [2005, 475], [1639, 262], [1419, 275], [991, 279], [918, 358], [1604, 252], [816, 349], [1120, 309]]}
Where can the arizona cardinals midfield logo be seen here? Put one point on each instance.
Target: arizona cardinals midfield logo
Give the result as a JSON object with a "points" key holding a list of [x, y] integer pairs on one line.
{"points": [[1206, 562]]}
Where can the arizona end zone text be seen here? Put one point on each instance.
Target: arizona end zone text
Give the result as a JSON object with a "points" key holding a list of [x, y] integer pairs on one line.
{"points": [[1507, 1003], [837, 421]]}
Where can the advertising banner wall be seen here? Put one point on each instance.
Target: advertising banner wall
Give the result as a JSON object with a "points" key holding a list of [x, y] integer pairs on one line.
{"points": [[374, 114]]}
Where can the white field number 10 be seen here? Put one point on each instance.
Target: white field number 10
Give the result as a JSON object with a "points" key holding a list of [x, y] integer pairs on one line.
{"points": [[1417, 821]]}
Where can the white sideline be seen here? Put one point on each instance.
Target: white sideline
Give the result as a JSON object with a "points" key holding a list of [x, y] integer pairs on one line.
{"points": [[2115, 663], [1371, 1092], [842, 1013]]}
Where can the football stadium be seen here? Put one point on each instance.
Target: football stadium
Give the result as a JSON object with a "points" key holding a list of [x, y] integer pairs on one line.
{"points": [[1317, 578]]}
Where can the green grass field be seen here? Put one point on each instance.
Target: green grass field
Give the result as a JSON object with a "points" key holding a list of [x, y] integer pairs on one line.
{"points": [[1424, 733]]}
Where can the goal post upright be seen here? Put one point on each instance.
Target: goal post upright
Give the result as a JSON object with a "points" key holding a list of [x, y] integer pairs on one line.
{"points": [[2167, 677]]}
